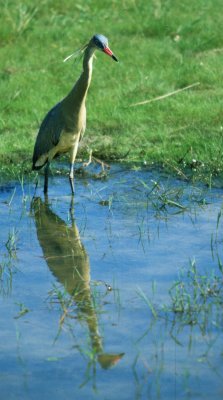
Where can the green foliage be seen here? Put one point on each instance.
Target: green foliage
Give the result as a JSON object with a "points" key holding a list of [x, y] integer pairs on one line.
{"points": [[162, 46]]}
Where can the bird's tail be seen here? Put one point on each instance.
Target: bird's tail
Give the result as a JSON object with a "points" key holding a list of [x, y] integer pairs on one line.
{"points": [[34, 168], [37, 164]]}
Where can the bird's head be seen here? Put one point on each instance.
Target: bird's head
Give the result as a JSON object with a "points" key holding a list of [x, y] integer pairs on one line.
{"points": [[101, 43]]}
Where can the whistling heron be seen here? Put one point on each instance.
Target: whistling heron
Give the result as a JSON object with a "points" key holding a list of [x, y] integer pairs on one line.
{"points": [[64, 125]]}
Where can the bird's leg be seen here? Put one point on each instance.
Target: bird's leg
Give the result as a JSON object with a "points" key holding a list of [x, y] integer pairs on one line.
{"points": [[73, 154], [46, 199], [46, 175], [36, 185], [72, 211], [71, 177]]}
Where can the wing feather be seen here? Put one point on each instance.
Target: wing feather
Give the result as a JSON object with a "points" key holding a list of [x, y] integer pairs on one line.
{"points": [[49, 133]]}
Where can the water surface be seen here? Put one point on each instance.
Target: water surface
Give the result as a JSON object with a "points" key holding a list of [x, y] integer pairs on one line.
{"points": [[84, 286]]}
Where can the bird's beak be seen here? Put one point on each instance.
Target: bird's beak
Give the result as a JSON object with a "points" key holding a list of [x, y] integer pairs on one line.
{"points": [[110, 53]]}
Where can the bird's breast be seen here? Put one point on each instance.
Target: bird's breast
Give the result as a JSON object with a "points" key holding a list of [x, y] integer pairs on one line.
{"points": [[67, 141], [74, 116]]}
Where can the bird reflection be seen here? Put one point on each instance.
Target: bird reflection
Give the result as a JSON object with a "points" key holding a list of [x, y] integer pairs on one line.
{"points": [[67, 259]]}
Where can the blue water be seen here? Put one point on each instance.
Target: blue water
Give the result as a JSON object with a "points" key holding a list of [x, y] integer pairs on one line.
{"points": [[97, 343]]}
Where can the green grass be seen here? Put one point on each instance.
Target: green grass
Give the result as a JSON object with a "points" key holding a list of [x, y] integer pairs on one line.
{"points": [[162, 46]]}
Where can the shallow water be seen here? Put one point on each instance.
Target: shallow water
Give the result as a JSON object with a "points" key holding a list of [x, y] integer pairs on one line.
{"points": [[77, 288]]}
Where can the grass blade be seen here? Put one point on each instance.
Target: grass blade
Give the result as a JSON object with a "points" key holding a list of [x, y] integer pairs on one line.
{"points": [[147, 301]]}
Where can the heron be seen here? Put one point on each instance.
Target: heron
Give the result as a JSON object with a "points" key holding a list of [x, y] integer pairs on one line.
{"points": [[64, 125]]}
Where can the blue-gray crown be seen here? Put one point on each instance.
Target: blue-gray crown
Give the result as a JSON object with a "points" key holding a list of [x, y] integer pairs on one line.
{"points": [[100, 41]]}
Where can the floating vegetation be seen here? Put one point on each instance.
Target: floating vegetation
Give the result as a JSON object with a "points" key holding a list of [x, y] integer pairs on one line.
{"points": [[22, 310]]}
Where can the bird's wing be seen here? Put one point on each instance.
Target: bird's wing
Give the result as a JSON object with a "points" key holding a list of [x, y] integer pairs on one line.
{"points": [[49, 132]]}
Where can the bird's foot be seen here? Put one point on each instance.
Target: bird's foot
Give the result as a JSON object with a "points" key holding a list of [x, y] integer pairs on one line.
{"points": [[86, 164], [103, 164], [96, 160]]}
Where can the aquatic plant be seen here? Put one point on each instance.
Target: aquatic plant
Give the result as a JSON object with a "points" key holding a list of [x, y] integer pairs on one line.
{"points": [[195, 299], [22, 310], [8, 262], [11, 244], [195, 294]]}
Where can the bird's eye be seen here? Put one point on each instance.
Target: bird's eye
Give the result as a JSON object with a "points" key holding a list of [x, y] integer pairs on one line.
{"points": [[98, 43]]}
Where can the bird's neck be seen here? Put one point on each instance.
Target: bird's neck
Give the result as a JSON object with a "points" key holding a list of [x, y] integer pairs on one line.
{"points": [[84, 81], [88, 64], [78, 94]]}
